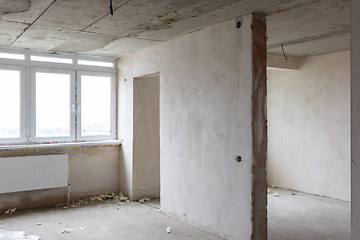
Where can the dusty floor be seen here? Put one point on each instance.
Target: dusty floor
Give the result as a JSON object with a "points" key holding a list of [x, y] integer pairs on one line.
{"points": [[292, 216], [107, 220], [307, 217]]}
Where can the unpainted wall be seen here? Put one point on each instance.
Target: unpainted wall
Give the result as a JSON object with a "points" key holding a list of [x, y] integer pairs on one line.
{"points": [[309, 126], [146, 151], [205, 122], [93, 170]]}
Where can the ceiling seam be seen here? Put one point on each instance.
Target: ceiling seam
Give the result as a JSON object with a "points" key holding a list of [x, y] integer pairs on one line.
{"points": [[40, 15], [10, 21], [311, 38], [145, 39], [104, 16]]}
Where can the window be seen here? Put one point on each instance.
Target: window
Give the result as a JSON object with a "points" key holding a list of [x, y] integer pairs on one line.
{"points": [[96, 109], [11, 104], [43, 102], [52, 105], [12, 56], [95, 63], [51, 59]]}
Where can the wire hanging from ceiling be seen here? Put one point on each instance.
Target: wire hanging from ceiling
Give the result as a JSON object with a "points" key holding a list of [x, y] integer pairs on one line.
{"points": [[282, 47], [111, 8]]}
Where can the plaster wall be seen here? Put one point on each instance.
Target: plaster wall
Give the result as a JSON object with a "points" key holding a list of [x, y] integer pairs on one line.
{"points": [[93, 170], [205, 122], [309, 126], [355, 120], [146, 137]]}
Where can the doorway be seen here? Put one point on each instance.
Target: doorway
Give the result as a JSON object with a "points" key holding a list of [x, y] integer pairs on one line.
{"points": [[146, 151]]}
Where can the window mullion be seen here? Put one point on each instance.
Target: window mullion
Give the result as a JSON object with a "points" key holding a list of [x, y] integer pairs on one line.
{"points": [[26, 117]]}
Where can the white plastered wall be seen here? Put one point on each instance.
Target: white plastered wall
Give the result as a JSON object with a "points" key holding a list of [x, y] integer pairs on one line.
{"points": [[205, 122], [309, 126], [146, 152]]}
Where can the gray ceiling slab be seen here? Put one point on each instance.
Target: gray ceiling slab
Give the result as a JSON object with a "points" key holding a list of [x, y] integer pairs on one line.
{"points": [[86, 26], [319, 46], [9, 31], [325, 17], [140, 16], [76, 15], [39, 38], [122, 47]]}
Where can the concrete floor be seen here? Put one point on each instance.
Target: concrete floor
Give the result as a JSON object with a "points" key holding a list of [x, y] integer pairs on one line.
{"points": [[107, 220], [300, 216], [292, 216]]}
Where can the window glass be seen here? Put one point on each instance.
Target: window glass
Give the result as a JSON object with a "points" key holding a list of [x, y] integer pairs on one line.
{"points": [[95, 105], [12, 56], [51, 59], [52, 104], [95, 63], [10, 104]]}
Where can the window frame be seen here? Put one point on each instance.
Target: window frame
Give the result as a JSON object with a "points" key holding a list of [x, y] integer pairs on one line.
{"points": [[23, 97], [28, 67], [33, 137], [112, 106]]}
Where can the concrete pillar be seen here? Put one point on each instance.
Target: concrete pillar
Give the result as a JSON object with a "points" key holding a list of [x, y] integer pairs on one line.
{"points": [[355, 120], [259, 128]]}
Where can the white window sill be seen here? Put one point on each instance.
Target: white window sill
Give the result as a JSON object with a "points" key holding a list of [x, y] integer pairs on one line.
{"points": [[70, 144]]}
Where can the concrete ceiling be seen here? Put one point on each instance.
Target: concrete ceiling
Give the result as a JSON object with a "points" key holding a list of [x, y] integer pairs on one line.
{"points": [[304, 27]]}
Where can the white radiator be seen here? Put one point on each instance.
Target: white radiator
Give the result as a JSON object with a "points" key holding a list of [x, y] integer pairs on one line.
{"points": [[33, 172]]}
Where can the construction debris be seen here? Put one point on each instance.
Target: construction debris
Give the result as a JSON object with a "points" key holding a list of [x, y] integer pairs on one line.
{"points": [[269, 191], [168, 230], [144, 200], [10, 211], [96, 199], [274, 186], [103, 197], [121, 197], [276, 194], [65, 231], [113, 196]]}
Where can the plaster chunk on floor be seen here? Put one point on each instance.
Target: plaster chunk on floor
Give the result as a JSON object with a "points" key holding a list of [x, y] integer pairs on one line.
{"points": [[65, 231], [16, 235], [10, 211], [99, 198], [276, 194], [269, 191], [168, 230], [144, 200], [113, 196]]}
